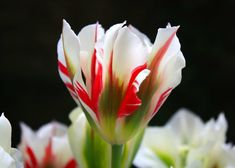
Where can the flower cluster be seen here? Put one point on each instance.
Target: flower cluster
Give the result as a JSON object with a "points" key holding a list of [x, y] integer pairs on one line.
{"points": [[186, 142]]}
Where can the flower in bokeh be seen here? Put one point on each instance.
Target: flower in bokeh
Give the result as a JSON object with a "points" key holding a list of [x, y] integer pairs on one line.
{"points": [[9, 157], [48, 147], [119, 78], [186, 142], [90, 150]]}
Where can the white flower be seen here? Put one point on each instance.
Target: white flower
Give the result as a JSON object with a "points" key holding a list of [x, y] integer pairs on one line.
{"points": [[48, 147], [9, 157], [185, 141]]}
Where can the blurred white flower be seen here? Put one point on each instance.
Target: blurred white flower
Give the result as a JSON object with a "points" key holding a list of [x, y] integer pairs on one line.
{"points": [[48, 147], [185, 141], [9, 157]]}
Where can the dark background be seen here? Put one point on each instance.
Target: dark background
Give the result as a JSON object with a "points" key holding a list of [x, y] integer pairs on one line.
{"points": [[30, 87]]}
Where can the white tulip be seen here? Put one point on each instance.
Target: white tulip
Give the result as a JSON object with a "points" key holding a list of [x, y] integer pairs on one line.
{"points": [[186, 142], [9, 157]]}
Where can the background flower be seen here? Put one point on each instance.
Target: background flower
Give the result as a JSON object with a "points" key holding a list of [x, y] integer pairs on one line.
{"points": [[48, 147], [9, 157], [119, 78], [185, 141]]}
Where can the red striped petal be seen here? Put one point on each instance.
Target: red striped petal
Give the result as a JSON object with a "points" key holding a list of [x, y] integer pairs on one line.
{"points": [[81, 92], [27, 165], [160, 54], [71, 164], [32, 157], [131, 102], [63, 68], [161, 100], [48, 157], [96, 80]]}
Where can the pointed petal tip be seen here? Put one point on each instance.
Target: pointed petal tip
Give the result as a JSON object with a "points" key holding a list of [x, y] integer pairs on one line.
{"points": [[66, 25], [2, 115]]}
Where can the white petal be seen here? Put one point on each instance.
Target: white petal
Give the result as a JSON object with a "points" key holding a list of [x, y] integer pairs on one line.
{"points": [[162, 36], [129, 53], [110, 37], [145, 40], [77, 138], [71, 48], [29, 138], [186, 126], [17, 156], [146, 158], [62, 150], [6, 161], [169, 77], [51, 129], [88, 37], [5, 133], [72, 52], [157, 142], [227, 156]]}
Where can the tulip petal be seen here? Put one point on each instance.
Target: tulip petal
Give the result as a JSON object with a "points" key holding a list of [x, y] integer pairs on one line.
{"points": [[129, 53], [62, 66], [6, 161], [145, 40], [166, 45], [71, 49], [89, 149], [5, 131], [168, 78], [88, 37], [110, 37], [130, 101]]}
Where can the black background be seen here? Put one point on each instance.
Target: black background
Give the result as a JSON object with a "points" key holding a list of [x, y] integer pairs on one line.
{"points": [[30, 87]]}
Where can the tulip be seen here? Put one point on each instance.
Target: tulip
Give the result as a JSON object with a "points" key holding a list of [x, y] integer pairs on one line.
{"points": [[9, 157], [48, 147], [118, 77], [186, 142], [90, 150]]}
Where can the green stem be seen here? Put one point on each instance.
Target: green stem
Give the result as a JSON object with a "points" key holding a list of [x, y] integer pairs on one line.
{"points": [[116, 155]]}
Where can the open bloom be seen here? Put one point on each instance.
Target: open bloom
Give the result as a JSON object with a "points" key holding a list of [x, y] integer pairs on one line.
{"points": [[48, 147], [186, 142], [90, 150], [118, 77], [9, 157]]}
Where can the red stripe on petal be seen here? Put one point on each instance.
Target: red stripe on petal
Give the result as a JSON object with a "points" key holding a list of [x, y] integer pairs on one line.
{"points": [[48, 157], [96, 80], [32, 157], [71, 164], [27, 165], [70, 86], [110, 68], [161, 52], [131, 102], [63, 68], [161, 100], [85, 98]]}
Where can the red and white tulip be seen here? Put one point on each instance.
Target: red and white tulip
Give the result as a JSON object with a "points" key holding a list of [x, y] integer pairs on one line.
{"points": [[118, 77], [48, 147]]}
